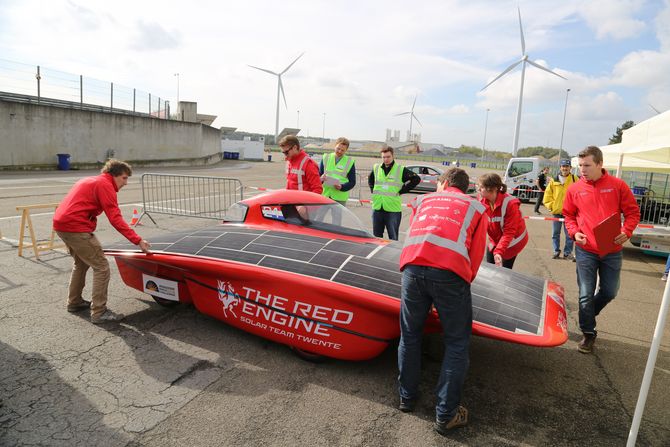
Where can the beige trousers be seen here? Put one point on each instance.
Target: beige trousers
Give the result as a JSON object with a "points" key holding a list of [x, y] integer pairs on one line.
{"points": [[87, 252]]}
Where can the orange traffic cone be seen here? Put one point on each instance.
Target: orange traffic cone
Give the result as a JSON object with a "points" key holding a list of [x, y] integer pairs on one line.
{"points": [[136, 219]]}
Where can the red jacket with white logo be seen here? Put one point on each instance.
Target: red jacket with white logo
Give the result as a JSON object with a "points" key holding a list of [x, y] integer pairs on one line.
{"points": [[302, 173], [447, 231], [78, 212], [507, 229], [588, 203]]}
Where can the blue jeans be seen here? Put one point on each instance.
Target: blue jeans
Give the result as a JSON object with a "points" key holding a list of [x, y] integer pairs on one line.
{"points": [[386, 219], [589, 267], [556, 236], [450, 294], [667, 265]]}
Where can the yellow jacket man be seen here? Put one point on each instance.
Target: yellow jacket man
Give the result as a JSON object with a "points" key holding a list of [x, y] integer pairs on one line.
{"points": [[553, 200]]}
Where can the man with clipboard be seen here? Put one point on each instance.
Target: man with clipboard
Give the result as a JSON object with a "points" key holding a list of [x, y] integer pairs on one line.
{"points": [[592, 208]]}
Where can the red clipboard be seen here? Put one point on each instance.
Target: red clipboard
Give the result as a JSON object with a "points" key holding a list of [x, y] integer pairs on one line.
{"points": [[605, 232]]}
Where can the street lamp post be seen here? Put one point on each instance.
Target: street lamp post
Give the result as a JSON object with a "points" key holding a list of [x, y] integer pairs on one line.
{"points": [[565, 111], [297, 125], [177, 75], [323, 135], [486, 125]]}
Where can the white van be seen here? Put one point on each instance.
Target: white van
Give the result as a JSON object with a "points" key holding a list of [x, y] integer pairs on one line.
{"points": [[520, 177]]}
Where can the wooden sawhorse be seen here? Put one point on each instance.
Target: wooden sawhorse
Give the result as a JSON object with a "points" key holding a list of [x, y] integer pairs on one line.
{"points": [[35, 245]]}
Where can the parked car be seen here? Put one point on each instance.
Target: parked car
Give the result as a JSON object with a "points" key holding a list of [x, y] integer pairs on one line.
{"points": [[429, 176]]}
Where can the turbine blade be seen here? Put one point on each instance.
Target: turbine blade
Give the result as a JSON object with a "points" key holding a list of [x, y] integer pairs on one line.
{"points": [[403, 113], [507, 70], [291, 64], [655, 109], [263, 69], [417, 120], [281, 89], [523, 42], [414, 103], [545, 69]]}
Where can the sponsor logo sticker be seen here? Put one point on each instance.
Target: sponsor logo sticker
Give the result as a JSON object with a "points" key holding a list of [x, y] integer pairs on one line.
{"points": [[162, 288]]}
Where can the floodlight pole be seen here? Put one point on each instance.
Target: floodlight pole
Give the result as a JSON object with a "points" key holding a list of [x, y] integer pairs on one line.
{"points": [[177, 75], [486, 125], [297, 125]]}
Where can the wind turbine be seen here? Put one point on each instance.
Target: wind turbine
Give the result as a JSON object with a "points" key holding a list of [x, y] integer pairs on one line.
{"points": [[280, 88], [412, 116], [523, 61]]}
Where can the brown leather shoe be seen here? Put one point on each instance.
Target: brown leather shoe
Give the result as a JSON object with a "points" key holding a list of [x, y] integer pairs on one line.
{"points": [[585, 346], [460, 419], [107, 317], [79, 306]]}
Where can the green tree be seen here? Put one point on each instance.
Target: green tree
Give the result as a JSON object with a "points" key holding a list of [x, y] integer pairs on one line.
{"points": [[616, 138], [540, 151]]}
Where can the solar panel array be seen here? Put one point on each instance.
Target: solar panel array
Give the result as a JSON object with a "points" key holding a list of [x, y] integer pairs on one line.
{"points": [[500, 297]]}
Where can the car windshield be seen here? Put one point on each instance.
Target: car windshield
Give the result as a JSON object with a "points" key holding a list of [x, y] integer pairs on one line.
{"points": [[331, 217]]}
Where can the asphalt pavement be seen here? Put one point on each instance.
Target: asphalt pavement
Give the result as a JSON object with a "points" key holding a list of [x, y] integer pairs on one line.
{"points": [[174, 377]]}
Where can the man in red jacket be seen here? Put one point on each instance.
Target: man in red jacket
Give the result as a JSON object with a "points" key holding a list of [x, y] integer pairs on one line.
{"points": [[75, 221], [302, 173], [441, 257], [592, 199]]}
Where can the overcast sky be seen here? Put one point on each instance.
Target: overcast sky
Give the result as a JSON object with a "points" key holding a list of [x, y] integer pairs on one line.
{"points": [[365, 61]]}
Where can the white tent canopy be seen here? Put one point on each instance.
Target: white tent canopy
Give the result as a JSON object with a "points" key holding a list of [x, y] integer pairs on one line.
{"points": [[644, 147], [649, 140], [612, 156]]}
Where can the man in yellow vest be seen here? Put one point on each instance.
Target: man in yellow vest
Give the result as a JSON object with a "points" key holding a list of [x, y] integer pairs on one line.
{"points": [[388, 181], [338, 172]]}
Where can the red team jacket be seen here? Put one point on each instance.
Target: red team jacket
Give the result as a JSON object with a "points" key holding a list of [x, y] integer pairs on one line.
{"points": [[78, 212], [588, 203], [302, 173], [507, 229], [447, 231]]}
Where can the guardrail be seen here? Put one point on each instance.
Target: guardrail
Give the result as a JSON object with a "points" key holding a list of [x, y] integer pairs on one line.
{"points": [[188, 195]]}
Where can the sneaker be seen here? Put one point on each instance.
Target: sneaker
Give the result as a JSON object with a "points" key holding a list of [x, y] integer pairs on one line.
{"points": [[79, 306], [538, 213], [406, 405], [569, 257], [557, 254], [460, 419], [664, 277], [108, 317], [585, 346]]}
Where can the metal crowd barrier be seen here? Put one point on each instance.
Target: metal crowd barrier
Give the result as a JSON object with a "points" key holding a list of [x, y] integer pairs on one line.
{"points": [[653, 209], [189, 195], [361, 191]]}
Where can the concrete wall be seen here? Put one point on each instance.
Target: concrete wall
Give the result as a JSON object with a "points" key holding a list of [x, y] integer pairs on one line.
{"points": [[33, 134]]}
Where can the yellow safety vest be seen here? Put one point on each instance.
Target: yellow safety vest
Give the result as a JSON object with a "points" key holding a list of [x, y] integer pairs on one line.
{"points": [[338, 171], [386, 193]]}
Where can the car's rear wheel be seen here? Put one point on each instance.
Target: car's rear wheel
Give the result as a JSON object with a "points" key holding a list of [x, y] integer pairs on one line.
{"points": [[163, 302], [308, 356]]}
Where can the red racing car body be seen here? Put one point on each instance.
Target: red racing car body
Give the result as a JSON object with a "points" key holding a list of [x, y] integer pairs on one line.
{"points": [[299, 269]]}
